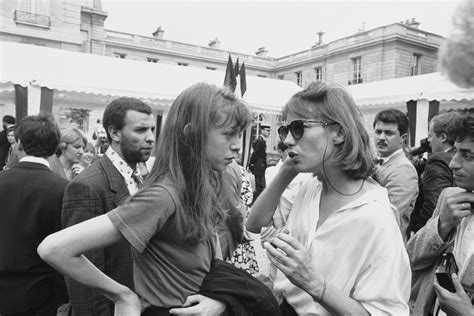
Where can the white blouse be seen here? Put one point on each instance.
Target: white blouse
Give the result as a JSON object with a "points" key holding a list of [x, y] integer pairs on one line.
{"points": [[358, 249]]}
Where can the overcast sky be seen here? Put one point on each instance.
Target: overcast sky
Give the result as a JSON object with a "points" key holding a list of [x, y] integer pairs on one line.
{"points": [[283, 27]]}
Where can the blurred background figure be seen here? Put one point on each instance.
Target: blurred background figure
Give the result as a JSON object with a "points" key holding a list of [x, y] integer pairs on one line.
{"points": [[12, 150], [457, 53], [258, 160], [8, 121], [69, 152], [87, 158], [437, 175]]}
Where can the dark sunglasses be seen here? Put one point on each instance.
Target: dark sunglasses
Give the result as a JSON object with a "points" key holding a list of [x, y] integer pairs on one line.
{"points": [[297, 128]]}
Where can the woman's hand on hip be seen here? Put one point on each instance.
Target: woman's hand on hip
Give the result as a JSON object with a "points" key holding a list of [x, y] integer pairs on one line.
{"points": [[200, 305], [128, 304]]}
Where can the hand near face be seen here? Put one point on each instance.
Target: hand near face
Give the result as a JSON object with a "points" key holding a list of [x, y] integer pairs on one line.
{"points": [[454, 303], [294, 261], [200, 305], [77, 168], [453, 209]]}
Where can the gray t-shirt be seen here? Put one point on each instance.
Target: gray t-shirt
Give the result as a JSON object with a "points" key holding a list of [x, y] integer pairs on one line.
{"points": [[166, 270]]}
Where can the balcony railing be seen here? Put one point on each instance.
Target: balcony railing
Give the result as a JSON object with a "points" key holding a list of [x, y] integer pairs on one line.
{"points": [[32, 19], [157, 43]]}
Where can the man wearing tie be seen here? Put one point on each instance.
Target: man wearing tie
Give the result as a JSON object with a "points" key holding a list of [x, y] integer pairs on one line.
{"points": [[394, 171], [106, 184]]}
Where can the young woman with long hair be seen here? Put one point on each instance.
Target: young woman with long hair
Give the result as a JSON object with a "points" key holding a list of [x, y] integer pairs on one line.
{"points": [[170, 223]]}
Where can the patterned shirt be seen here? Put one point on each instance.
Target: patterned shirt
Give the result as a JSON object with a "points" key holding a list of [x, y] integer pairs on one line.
{"points": [[125, 170]]}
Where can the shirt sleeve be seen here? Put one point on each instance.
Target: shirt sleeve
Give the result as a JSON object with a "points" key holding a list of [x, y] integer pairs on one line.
{"points": [[144, 215], [383, 287]]}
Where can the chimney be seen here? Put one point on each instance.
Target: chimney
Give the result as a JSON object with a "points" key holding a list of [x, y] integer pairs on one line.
{"points": [[215, 43], [320, 37], [158, 33], [415, 24], [262, 52]]}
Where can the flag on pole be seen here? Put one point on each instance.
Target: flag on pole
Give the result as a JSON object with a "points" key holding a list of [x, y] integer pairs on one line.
{"points": [[243, 80], [236, 69], [230, 81]]}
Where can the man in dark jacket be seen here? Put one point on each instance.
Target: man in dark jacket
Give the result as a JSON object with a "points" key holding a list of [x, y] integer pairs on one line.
{"points": [[105, 185], [258, 160], [31, 196], [437, 174]]}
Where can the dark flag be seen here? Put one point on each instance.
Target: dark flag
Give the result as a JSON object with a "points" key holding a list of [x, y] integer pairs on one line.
{"points": [[243, 80], [230, 80], [236, 69]]}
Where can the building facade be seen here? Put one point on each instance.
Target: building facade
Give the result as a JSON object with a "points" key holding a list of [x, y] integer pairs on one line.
{"points": [[391, 51]]}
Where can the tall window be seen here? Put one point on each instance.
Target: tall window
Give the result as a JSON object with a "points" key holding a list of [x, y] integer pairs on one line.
{"points": [[415, 64], [356, 70], [33, 6], [299, 78], [33, 12], [318, 71]]}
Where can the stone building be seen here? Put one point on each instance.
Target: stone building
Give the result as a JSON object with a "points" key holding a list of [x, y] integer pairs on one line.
{"points": [[391, 51]]}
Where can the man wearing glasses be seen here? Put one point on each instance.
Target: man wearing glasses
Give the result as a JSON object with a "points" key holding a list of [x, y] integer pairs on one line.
{"points": [[258, 160]]}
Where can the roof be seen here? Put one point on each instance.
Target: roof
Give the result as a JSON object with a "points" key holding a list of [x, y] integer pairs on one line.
{"points": [[94, 75], [433, 86]]}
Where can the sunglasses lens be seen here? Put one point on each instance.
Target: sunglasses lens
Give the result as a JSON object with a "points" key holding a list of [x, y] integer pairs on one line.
{"points": [[297, 129], [283, 131]]}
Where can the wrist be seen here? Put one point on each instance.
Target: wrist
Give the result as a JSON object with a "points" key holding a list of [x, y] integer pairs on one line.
{"points": [[320, 292], [121, 295], [443, 229]]}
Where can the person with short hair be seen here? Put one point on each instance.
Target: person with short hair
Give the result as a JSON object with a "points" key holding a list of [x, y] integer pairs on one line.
{"points": [[170, 222], [68, 153], [342, 252], [31, 196], [102, 187], [450, 229], [437, 174], [395, 172]]}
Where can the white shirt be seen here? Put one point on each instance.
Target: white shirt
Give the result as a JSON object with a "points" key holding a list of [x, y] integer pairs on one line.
{"points": [[35, 160], [358, 249], [125, 170]]}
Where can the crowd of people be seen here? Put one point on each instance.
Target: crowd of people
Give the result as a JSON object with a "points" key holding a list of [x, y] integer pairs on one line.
{"points": [[348, 230], [357, 233]]}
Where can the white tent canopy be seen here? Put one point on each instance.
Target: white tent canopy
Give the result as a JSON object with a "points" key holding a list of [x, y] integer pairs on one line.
{"points": [[89, 74], [433, 86]]}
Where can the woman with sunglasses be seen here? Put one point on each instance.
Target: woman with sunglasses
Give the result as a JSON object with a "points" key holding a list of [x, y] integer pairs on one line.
{"points": [[342, 252]]}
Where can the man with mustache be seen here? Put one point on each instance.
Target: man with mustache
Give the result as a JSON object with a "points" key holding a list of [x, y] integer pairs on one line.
{"points": [[394, 171], [103, 186]]}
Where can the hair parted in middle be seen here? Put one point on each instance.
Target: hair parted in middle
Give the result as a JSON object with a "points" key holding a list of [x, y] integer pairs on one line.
{"points": [[181, 153], [332, 103]]}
